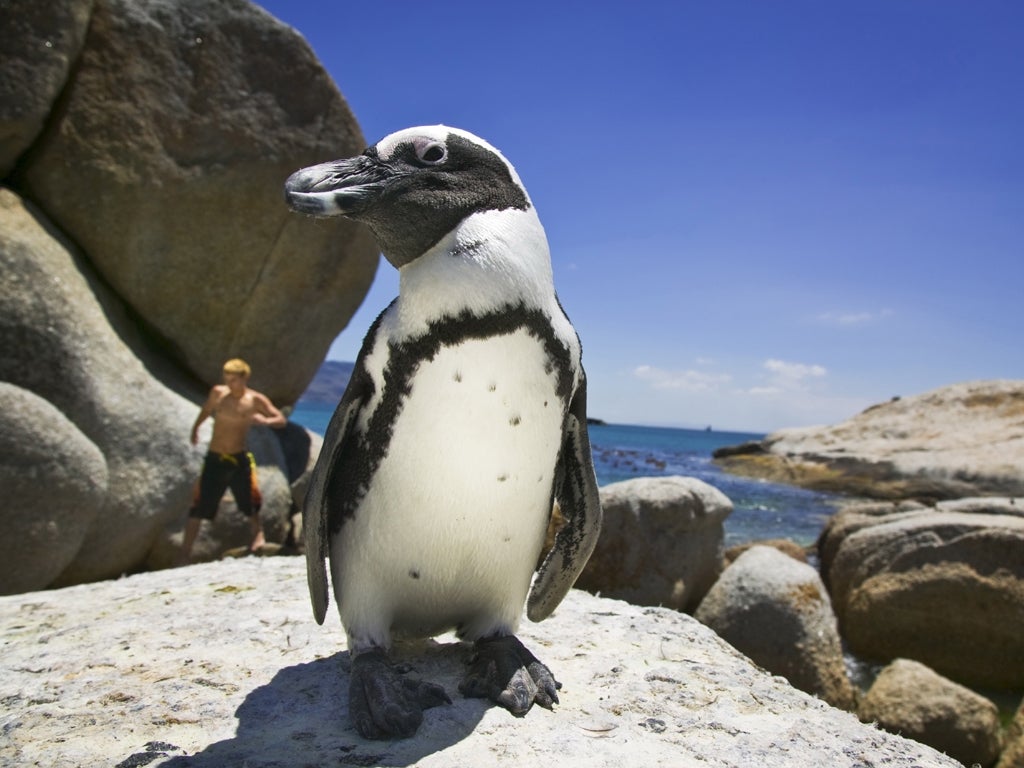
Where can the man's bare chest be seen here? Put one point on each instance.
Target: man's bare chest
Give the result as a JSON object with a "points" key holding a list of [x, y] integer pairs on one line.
{"points": [[234, 409]]}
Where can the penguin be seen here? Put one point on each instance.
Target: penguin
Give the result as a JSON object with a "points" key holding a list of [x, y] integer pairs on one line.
{"points": [[463, 424]]}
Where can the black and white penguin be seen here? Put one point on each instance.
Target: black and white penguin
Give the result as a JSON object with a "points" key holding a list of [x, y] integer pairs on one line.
{"points": [[464, 420]]}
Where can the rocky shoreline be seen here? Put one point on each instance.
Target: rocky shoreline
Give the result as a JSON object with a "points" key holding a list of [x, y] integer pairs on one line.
{"points": [[930, 593], [954, 442], [929, 577]]}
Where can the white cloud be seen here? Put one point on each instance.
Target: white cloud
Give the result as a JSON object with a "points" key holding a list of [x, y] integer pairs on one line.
{"points": [[793, 371], [764, 391], [689, 380], [776, 393], [850, 319], [785, 377]]}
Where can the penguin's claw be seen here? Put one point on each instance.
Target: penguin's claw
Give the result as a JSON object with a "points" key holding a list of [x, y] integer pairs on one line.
{"points": [[385, 705], [504, 671]]}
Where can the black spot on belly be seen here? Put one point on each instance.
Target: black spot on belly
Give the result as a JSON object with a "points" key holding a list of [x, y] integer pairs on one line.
{"points": [[514, 421], [492, 387], [414, 574], [502, 478], [457, 376]]}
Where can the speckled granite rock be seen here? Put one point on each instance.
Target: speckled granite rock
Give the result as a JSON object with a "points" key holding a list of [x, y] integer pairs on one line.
{"points": [[222, 665], [144, 240], [164, 163]]}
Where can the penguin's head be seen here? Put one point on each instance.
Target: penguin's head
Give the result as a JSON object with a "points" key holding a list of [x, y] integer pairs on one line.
{"points": [[411, 188]]}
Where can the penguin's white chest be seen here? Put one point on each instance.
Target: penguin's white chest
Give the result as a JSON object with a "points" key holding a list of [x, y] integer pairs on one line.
{"points": [[451, 527]]}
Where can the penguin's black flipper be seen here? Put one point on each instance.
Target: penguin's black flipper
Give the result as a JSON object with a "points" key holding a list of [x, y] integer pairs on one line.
{"points": [[315, 513], [580, 504]]}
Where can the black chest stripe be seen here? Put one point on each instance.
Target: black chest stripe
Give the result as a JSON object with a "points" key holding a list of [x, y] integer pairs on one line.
{"points": [[362, 454]]}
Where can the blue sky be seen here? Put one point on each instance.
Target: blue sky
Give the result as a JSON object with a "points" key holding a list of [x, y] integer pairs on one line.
{"points": [[761, 214]]}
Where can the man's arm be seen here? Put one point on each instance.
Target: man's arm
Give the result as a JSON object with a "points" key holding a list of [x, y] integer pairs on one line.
{"points": [[266, 414], [204, 414]]}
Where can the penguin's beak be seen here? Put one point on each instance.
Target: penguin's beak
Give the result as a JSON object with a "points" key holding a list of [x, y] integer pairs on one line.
{"points": [[341, 187]]}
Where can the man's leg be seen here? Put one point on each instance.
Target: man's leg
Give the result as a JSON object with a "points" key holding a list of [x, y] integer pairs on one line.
{"points": [[191, 532], [258, 540], [246, 490], [206, 493]]}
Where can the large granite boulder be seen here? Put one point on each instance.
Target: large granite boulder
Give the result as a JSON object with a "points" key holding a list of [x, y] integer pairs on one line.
{"points": [[962, 440], [166, 165], [143, 241], [661, 542], [55, 482], [39, 43], [776, 610], [68, 341], [222, 664], [943, 586], [910, 699], [852, 518]]}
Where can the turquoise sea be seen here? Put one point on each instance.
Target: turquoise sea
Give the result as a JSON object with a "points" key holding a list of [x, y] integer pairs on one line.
{"points": [[761, 510]]}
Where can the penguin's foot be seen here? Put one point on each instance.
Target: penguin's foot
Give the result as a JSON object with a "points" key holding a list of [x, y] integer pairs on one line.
{"points": [[385, 705], [503, 671]]}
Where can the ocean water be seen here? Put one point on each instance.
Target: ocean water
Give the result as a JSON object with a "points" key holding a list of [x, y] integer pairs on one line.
{"points": [[762, 510]]}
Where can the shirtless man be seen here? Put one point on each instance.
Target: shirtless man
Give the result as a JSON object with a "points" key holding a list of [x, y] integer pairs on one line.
{"points": [[228, 463]]}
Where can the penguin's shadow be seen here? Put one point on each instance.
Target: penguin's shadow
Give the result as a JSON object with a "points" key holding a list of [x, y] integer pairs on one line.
{"points": [[301, 716]]}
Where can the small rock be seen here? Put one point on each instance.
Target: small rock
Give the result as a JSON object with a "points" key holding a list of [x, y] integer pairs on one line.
{"points": [[910, 699], [775, 610], [785, 546], [661, 542]]}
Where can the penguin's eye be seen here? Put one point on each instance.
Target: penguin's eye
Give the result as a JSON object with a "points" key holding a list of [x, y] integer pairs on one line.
{"points": [[432, 153]]}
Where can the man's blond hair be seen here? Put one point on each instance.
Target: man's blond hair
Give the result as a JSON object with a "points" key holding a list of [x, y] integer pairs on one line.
{"points": [[237, 366]]}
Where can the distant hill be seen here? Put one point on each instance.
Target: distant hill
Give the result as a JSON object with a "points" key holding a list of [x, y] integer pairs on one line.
{"points": [[328, 384]]}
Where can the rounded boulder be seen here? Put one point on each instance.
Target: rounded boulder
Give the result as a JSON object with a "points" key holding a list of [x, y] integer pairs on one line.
{"points": [[166, 165], [54, 482], [943, 586], [661, 542], [776, 611], [912, 700]]}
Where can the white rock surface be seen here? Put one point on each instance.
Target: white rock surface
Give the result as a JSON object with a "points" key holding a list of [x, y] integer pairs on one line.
{"points": [[222, 665], [965, 431], [966, 439]]}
